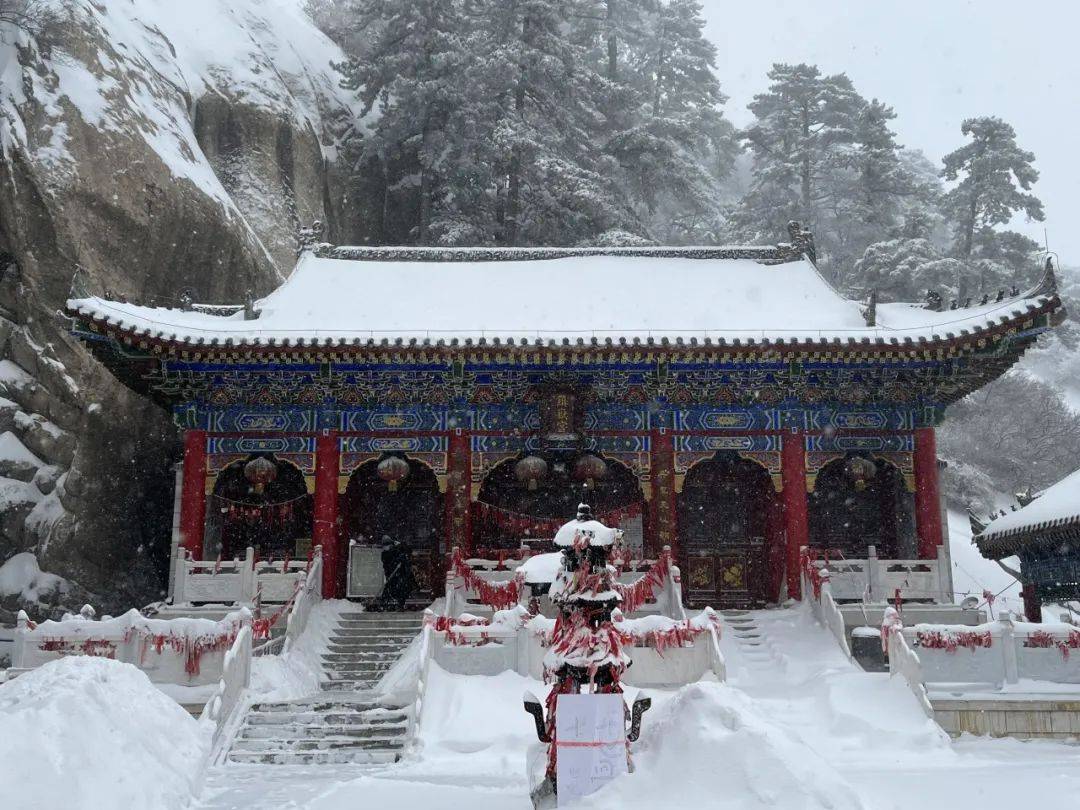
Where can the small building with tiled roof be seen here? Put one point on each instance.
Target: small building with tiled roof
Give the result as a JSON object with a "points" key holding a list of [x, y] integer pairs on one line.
{"points": [[726, 402], [1045, 534]]}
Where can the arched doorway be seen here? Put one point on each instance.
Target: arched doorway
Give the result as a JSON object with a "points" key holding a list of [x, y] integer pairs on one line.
{"points": [[409, 510], [859, 501], [511, 510], [272, 516], [729, 537]]}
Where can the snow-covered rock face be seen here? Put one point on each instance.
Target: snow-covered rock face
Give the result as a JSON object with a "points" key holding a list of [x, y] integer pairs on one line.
{"points": [[84, 732], [158, 146]]}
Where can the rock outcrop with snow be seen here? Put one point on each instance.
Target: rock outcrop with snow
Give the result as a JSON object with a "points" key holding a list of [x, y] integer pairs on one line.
{"points": [[158, 147]]}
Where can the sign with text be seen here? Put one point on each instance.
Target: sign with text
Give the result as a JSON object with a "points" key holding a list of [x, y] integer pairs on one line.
{"points": [[590, 732]]}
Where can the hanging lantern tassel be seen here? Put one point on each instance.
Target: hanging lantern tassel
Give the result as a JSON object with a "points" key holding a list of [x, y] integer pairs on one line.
{"points": [[530, 470], [260, 471], [590, 468], [392, 470]]}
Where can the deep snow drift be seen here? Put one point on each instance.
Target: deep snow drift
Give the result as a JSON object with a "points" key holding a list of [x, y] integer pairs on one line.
{"points": [[85, 733]]}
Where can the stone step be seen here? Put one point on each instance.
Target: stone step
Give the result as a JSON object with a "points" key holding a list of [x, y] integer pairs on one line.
{"points": [[361, 647], [376, 630], [303, 731], [339, 757], [347, 686], [321, 719], [382, 618], [380, 653], [359, 663], [371, 637], [336, 676], [387, 743], [373, 703]]}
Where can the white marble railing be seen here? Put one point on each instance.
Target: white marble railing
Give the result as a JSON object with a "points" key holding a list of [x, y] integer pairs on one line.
{"points": [[238, 581], [877, 580], [905, 662], [824, 607], [183, 651], [309, 595], [226, 706], [996, 654]]}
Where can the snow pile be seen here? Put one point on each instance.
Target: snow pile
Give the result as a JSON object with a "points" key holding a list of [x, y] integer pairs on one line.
{"points": [[710, 747], [297, 671], [541, 568], [88, 733], [22, 576]]}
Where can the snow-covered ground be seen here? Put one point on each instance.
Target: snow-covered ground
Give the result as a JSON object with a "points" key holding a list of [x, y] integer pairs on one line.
{"points": [[797, 727]]}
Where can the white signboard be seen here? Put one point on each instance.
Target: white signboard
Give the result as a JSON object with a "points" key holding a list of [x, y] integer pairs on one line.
{"points": [[590, 732], [365, 571]]}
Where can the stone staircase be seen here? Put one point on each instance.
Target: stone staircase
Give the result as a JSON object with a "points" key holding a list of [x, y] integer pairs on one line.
{"points": [[364, 646], [348, 722]]}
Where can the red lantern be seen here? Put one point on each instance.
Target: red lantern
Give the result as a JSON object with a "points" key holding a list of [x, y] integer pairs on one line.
{"points": [[590, 468], [260, 472], [861, 470], [393, 470], [530, 470]]}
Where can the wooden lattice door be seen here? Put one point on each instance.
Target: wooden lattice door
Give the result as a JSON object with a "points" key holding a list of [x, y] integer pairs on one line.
{"points": [[722, 516]]}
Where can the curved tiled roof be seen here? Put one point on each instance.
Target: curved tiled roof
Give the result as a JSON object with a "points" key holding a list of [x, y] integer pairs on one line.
{"points": [[434, 297]]}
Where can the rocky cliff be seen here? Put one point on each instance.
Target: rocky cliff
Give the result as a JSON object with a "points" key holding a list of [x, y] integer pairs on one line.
{"points": [[158, 147]]}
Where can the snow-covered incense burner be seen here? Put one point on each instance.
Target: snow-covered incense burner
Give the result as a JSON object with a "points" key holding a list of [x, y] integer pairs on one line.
{"points": [[586, 654]]}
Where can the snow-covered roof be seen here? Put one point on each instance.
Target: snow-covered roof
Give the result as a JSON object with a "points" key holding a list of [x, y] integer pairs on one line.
{"points": [[1058, 505], [559, 295]]}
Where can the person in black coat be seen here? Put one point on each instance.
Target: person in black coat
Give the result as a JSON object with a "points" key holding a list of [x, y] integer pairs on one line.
{"points": [[397, 567]]}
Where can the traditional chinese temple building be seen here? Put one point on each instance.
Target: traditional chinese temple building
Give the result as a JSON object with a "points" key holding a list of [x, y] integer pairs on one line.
{"points": [[727, 402], [1045, 534]]}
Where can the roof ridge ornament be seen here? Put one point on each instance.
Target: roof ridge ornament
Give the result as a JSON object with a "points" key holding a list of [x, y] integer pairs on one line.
{"points": [[308, 238], [802, 239], [870, 313], [1047, 285], [250, 313]]}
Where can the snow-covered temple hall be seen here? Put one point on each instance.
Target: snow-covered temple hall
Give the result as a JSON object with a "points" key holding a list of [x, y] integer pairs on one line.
{"points": [[727, 403]]}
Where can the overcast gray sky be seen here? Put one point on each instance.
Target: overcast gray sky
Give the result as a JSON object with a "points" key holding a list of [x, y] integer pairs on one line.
{"points": [[936, 62]]}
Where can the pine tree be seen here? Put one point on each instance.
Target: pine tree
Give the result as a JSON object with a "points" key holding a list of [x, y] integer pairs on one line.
{"points": [[804, 122], [408, 69], [672, 143], [994, 176]]}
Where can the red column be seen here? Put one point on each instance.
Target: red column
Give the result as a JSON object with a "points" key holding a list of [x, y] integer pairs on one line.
{"points": [[325, 530], [1032, 603], [193, 496], [459, 491], [796, 524], [927, 494], [662, 464]]}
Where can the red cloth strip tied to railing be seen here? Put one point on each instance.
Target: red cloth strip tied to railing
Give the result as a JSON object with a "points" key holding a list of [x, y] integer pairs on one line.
{"points": [[641, 591], [192, 648], [261, 625], [500, 596], [813, 574], [1042, 639], [951, 640]]}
